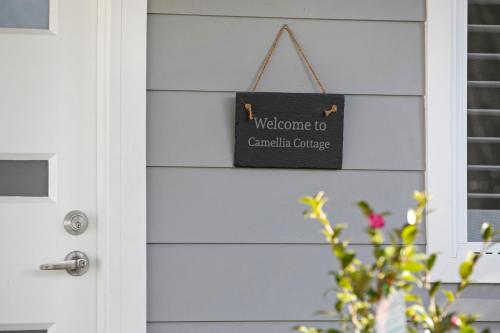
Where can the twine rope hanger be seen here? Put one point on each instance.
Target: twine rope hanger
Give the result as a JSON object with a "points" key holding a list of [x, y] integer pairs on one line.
{"points": [[300, 51], [267, 59]]}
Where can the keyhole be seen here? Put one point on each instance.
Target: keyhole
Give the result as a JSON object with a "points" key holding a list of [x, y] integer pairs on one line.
{"points": [[77, 224]]}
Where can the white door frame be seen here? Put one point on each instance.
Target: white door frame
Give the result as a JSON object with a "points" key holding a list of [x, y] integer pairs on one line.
{"points": [[121, 202]]}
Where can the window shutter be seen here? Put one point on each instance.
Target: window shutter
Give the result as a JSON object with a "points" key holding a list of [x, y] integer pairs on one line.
{"points": [[483, 116]]}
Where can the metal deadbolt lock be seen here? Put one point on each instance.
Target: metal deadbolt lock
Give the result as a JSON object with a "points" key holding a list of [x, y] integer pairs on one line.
{"points": [[76, 222], [76, 263]]}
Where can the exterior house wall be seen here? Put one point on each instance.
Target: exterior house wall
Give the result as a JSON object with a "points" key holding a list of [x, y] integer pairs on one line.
{"points": [[228, 249]]}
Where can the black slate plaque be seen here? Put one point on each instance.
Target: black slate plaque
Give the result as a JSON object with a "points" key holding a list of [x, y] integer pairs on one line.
{"points": [[289, 130]]}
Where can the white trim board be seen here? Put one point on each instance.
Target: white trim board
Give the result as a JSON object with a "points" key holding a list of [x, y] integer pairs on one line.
{"points": [[446, 142], [121, 105]]}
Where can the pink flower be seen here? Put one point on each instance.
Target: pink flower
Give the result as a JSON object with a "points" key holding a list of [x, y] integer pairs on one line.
{"points": [[376, 221], [455, 321]]}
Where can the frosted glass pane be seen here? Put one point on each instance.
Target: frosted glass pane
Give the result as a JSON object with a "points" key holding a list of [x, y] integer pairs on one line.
{"points": [[26, 14], [24, 178]]}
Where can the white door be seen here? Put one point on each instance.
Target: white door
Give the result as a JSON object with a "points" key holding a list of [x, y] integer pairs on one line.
{"points": [[48, 113]]}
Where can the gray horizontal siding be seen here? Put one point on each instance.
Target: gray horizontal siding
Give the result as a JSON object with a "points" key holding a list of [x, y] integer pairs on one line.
{"points": [[223, 54], [481, 299], [218, 205], [278, 282], [228, 248], [260, 327], [238, 282], [404, 10], [181, 133], [493, 326], [231, 327]]}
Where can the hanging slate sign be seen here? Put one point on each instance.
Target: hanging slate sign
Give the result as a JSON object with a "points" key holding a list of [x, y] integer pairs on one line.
{"points": [[289, 130]]}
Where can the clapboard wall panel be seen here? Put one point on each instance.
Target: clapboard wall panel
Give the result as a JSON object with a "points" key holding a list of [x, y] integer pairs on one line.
{"points": [[211, 53], [239, 282], [235, 282], [398, 10], [181, 133], [193, 205]]}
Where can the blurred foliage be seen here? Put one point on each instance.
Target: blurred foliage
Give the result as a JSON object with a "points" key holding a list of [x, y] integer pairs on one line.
{"points": [[398, 265]]}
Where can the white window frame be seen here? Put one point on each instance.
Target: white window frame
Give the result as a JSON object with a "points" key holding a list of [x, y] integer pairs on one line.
{"points": [[446, 143]]}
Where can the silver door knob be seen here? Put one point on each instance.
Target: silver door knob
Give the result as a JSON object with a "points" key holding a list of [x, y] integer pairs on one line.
{"points": [[76, 263]]}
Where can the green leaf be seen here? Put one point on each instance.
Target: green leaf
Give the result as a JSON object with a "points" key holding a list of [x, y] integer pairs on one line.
{"points": [[449, 295], [468, 319], [431, 260], [307, 200], [408, 234], [378, 253], [346, 297], [413, 298], [411, 312], [413, 266], [320, 196], [337, 229], [376, 237], [360, 281], [467, 329], [434, 288], [365, 208], [407, 276], [390, 251], [347, 258], [416, 309], [409, 252], [466, 269], [471, 257], [338, 250], [486, 232], [372, 293], [339, 305], [344, 283], [420, 197]]}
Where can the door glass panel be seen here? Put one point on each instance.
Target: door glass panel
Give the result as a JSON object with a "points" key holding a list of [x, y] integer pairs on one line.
{"points": [[24, 14], [24, 178]]}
